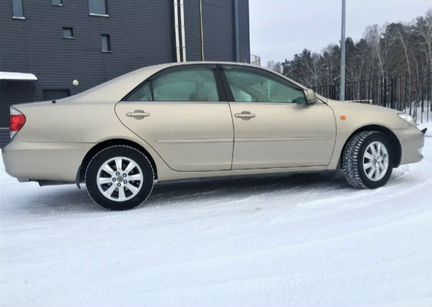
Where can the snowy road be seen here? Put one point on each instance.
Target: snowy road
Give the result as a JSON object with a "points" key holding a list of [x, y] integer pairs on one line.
{"points": [[300, 240]]}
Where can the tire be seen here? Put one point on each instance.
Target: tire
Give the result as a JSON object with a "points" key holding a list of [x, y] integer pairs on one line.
{"points": [[367, 160], [119, 189]]}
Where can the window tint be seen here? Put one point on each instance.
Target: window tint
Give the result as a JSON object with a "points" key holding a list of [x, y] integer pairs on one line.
{"points": [[105, 43], [142, 93], [17, 7], [68, 33], [251, 86], [194, 84], [98, 7], [191, 84]]}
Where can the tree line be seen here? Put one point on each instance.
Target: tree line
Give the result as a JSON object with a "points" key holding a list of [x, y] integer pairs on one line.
{"points": [[395, 50]]}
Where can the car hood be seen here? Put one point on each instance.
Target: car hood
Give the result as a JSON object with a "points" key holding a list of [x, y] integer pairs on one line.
{"points": [[362, 114]]}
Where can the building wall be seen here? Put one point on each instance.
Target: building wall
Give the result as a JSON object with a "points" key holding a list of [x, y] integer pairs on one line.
{"points": [[142, 34], [244, 33], [219, 43], [13, 92]]}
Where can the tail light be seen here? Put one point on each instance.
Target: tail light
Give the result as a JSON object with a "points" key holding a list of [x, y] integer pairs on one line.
{"points": [[17, 121]]}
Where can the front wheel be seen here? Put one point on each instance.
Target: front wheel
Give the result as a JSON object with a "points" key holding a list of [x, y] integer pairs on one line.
{"points": [[119, 178], [367, 161]]}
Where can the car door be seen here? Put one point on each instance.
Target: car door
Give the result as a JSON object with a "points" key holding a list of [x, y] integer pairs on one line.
{"points": [[182, 114], [273, 125]]}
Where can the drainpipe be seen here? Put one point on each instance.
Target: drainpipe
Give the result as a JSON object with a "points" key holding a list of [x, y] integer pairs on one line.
{"points": [[183, 35], [176, 31], [202, 30], [236, 31]]}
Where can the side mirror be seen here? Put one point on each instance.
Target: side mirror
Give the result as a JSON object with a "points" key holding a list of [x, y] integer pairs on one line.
{"points": [[311, 97]]}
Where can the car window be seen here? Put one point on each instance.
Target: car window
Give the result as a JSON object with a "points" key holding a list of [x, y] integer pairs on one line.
{"points": [[191, 84], [142, 93], [251, 86]]}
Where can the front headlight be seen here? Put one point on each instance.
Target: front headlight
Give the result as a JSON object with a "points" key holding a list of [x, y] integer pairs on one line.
{"points": [[411, 120]]}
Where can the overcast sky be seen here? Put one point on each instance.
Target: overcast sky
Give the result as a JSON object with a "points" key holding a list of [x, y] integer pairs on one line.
{"points": [[281, 28]]}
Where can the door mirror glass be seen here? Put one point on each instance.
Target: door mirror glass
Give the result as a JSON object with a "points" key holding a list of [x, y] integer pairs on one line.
{"points": [[311, 96]]}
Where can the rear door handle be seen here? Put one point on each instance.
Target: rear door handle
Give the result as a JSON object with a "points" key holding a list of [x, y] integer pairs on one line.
{"points": [[245, 115], [138, 114]]}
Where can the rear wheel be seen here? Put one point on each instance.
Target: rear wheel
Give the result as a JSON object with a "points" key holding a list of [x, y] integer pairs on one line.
{"points": [[367, 160], [119, 178]]}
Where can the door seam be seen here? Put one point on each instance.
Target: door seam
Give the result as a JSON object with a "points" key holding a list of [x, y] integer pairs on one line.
{"points": [[234, 136]]}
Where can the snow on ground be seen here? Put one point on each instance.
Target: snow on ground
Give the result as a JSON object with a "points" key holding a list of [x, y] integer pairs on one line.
{"points": [[298, 240]]}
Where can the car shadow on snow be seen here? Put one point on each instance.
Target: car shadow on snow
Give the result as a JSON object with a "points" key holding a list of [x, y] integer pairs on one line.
{"points": [[69, 199], [238, 187]]}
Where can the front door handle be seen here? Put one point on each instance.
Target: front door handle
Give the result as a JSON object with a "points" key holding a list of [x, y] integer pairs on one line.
{"points": [[138, 114], [245, 115]]}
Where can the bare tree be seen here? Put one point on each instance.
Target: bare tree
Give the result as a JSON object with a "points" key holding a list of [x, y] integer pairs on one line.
{"points": [[372, 36]]}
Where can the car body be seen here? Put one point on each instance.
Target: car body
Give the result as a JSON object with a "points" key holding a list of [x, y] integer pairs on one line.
{"points": [[200, 119]]}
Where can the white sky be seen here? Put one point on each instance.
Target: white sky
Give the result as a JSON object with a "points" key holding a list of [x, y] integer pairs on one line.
{"points": [[281, 28]]}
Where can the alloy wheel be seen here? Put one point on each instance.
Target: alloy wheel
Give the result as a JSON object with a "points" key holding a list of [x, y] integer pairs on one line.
{"points": [[119, 179], [375, 161]]}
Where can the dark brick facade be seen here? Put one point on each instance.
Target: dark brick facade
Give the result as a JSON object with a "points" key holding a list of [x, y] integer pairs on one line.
{"points": [[141, 32]]}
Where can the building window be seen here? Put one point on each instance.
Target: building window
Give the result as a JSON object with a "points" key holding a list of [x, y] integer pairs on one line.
{"points": [[68, 33], [18, 10], [57, 2], [50, 94], [98, 7], [105, 43]]}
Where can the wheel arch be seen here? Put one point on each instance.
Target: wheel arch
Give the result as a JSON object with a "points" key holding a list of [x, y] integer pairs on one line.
{"points": [[107, 143], [394, 141]]}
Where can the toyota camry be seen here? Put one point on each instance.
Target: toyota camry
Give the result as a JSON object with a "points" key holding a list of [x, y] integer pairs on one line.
{"points": [[194, 120]]}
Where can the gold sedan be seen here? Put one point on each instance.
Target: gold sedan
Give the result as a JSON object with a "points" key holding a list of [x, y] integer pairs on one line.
{"points": [[194, 120]]}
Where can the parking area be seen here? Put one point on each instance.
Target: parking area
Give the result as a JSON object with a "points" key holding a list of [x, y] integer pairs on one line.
{"points": [[260, 241]]}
